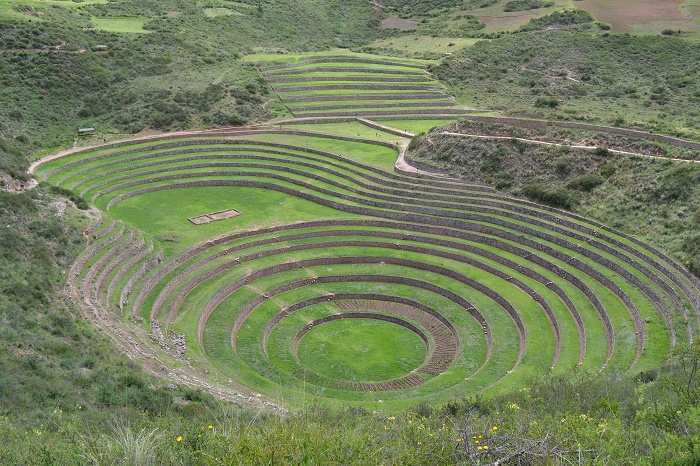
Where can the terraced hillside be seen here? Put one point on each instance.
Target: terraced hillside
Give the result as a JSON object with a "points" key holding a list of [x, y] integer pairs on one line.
{"points": [[342, 86], [333, 260]]}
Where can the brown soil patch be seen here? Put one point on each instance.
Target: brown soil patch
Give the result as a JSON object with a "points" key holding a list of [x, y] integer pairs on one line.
{"points": [[398, 23], [172, 14], [628, 15], [505, 23], [7, 183]]}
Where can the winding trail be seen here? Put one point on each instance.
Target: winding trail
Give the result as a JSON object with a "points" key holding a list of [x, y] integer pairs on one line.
{"points": [[533, 141]]}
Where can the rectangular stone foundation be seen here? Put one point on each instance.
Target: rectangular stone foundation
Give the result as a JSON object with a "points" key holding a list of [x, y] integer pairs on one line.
{"points": [[214, 216]]}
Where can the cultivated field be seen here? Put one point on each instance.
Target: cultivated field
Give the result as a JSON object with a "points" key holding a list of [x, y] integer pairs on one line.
{"points": [[645, 16], [123, 24], [638, 17]]}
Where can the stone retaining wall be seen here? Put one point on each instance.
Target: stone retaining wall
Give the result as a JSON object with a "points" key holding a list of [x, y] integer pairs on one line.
{"points": [[382, 113], [359, 87], [380, 79], [98, 285], [451, 223], [441, 103], [295, 237], [463, 235], [491, 218], [135, 254]]}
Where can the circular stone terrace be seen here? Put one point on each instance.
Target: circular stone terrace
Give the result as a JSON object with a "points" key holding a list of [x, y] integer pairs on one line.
{"points": [[342, 278]]}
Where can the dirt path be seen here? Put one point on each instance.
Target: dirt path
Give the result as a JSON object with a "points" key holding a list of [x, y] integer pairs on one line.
{"points": [[11, 185], [614, 151], [402, 166]]}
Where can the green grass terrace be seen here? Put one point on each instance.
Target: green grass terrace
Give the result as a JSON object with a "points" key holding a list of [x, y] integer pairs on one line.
{"points": [[358, 86], [291, 263]]}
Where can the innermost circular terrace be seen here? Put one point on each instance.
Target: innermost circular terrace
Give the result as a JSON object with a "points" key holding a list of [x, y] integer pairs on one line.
{"points": [[361, 348]]}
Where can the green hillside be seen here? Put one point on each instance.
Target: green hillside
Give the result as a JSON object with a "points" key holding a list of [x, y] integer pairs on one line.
{"points": [[348, 232]]}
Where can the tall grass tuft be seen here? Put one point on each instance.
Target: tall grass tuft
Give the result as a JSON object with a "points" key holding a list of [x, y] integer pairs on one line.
{"points": [[121, 446]]}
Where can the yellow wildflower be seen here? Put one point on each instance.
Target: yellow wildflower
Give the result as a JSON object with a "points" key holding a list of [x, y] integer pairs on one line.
{"points": [[179, 438]]}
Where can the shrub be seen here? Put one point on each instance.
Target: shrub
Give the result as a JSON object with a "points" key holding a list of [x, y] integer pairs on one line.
{"points": [[677, 184], [79, 202], [544, 102], [416, 141], [691, 249], [555, 197], [523, 5], [197, 396], [563, 165], [607, 170], [558, 18], [585, 182]]}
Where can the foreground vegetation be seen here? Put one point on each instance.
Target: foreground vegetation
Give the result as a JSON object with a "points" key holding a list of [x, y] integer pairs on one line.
{"points": [[581, 419]]}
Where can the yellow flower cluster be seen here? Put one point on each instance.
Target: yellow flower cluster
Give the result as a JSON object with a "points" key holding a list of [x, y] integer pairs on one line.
{"points": [[180, 437]]}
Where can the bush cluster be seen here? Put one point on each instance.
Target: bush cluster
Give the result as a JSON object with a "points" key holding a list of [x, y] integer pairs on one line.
{"points": [[524, 5], [555, 197], [79, 202]]}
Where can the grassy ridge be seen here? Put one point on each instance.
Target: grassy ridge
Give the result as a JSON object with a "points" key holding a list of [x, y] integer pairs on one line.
{"points": [[612, 79], [52, 81]]}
